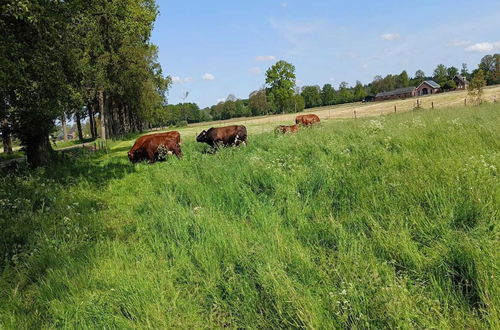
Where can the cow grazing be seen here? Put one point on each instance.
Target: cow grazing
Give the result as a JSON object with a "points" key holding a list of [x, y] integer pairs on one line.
{"points": [[307, 120], [283, 129], [224, 136], [151, 147]]}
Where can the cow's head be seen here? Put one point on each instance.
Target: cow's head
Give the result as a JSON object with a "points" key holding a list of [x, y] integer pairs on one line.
{"points": [[134, 156], [131, 156], [201, 137]]}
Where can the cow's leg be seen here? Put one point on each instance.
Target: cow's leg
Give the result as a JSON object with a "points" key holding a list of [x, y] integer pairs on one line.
{"points": [[177, 152]]}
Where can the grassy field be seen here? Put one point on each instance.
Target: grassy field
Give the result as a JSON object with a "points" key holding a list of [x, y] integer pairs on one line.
{"points": [[386, 222]]}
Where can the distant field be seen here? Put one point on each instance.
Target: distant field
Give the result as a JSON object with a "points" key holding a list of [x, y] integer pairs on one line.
{"points": [[386, 222]]}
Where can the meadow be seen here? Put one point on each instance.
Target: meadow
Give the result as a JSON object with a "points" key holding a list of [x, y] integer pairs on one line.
{"points": [[383, 222]]}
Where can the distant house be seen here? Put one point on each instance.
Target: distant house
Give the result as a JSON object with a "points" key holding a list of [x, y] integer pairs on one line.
{"points": [[461, 82], [428, 87], [400, 93]]}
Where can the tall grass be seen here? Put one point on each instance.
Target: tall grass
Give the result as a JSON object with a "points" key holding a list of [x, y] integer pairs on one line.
{"points": [[375, 223]]}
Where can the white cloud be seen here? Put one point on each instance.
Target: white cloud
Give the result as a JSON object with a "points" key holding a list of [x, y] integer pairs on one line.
{"points": [[255, 70], [390, 36], [483, 47], [459, 43], [180, 80], [265, 58], [208, 76]]}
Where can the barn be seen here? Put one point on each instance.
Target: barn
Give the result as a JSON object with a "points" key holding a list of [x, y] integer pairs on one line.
{"points": [[428, 87], [400, 93], [461, 82]]}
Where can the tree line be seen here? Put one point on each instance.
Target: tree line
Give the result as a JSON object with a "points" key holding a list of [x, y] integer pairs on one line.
{"points": [[77, 59], [281, 95]]}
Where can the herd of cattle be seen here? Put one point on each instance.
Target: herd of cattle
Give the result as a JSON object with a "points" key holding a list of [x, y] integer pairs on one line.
{"points": [[154, 147]]}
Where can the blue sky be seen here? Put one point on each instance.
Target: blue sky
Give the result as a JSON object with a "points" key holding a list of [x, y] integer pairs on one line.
{"points": [[220, 47]]}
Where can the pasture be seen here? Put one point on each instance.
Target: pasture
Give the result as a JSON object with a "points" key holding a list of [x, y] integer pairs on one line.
{"points": [[382, 222]]}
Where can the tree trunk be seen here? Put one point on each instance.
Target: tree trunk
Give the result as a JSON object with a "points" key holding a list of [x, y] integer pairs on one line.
{"points": [[64, 128], [6, 138], [102, 114], [93, 129], [79, 126], [39, 151]]}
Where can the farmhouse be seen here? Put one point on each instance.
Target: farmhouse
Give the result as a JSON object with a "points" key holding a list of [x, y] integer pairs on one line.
{"points": [[400, 93], [461, 82], [428, 87]]}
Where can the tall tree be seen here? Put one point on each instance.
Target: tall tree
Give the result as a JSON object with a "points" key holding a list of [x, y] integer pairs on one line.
{"points": [[441, 74], [258, 103], [452, 72], [280, 79], [328, 94], [403, 80], [360, 92], [345, 94], [312, 96]]}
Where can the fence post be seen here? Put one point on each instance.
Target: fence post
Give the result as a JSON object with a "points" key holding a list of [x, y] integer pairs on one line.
{"points": [[355, 115], [432, 105], [465, 102], [395, 109]]}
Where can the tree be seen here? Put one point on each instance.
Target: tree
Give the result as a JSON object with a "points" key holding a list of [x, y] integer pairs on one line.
{"points": [[280, 79], [465, 71], [312, 96], [328, 95], [419, 77], [403, 80], [258, 103], [241, 109], [490, 65], [345, 94], [441, 74], [476, 87], [360, 92], [449, 85], [452, 72], [55, 57], [299, 103]]}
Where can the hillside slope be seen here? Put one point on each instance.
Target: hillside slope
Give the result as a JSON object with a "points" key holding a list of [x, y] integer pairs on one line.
{"points": [[387, 222]]}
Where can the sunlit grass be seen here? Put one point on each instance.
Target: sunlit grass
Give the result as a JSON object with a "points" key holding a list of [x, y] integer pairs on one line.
{"points": [[388, 222]]}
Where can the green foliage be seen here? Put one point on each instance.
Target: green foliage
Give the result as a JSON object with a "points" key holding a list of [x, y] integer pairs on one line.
{"points": [[476, 87], [56, 55], [280, 79], [312, 96], [449, 85], [403, 80], [388, 222], [441, 74], [359, 92], [452, 72], [490, 65], [419, 78], [328, 95], [345, 94], [258, 103]]}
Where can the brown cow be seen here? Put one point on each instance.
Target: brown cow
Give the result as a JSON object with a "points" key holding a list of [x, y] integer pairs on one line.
{"points": [[287, 129], [224, 136], [150, 147], [307, 120]]}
